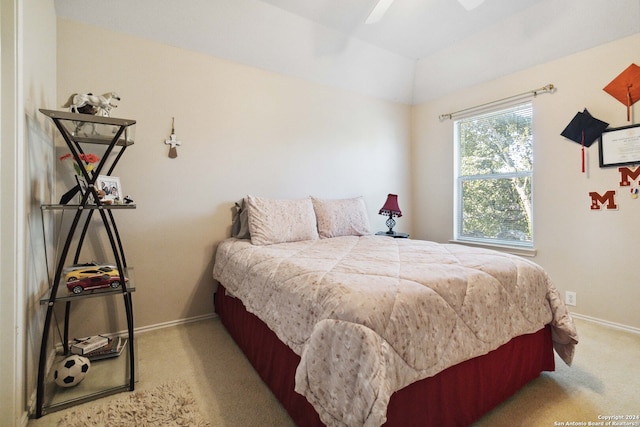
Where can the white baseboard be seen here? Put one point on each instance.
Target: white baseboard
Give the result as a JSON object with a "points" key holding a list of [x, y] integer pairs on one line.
{"points": [[607, 323], [58, 346], [163, 325], [173, 323]]}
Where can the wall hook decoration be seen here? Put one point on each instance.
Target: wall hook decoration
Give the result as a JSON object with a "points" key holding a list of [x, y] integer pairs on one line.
{"points": [[173, 141]]}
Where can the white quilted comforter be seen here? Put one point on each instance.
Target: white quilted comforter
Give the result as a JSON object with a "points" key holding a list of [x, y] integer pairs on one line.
{"points": [[369, 315]]}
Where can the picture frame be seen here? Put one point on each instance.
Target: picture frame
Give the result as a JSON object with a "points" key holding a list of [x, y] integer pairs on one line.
{"points": [[620, 146], [111, 186]]}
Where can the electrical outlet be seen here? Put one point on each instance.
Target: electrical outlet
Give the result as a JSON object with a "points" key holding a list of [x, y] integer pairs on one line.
{"points": [[570, 298]]}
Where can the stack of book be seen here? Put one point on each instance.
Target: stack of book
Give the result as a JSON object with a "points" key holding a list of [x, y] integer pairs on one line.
{"points": [[98, 347]]}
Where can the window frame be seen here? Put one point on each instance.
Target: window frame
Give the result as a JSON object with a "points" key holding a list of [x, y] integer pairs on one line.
{"points": [[520, 247]]}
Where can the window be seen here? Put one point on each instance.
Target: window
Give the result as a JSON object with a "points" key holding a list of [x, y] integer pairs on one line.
{"points": [[494, 170]]}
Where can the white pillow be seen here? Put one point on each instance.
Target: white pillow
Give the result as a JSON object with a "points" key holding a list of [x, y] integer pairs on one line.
{"points": [[279, 221], [341, 217]]}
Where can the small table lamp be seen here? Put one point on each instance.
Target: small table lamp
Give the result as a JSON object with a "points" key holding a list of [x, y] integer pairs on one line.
{"points": [[391, 208]]}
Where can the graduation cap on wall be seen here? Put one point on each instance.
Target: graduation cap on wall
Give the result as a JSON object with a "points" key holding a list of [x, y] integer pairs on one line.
{"points": [[584, 129], [626, 87]]}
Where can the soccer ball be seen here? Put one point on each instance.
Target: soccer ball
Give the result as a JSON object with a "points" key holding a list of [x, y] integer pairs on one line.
{"points": [[71, 370]]}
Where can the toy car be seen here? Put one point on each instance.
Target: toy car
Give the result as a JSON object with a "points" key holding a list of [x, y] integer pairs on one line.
{"points": [[104, 270], [72, 267], [94, 282]]}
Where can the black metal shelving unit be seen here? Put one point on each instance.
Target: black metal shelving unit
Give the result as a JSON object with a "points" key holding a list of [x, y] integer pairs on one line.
{"points": [[116, 136]]}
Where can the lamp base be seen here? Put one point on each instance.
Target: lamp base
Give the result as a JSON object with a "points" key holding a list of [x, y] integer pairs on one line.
{"points": [[393, 234], [390, 223]]}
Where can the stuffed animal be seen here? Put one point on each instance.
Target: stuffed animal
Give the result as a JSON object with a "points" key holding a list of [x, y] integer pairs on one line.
{"points": [[101, 197]]}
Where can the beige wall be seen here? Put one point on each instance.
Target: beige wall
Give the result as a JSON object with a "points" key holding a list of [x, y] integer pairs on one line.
{"points": [[243, 131], [589, 252], [39, 92], [28, 83]]}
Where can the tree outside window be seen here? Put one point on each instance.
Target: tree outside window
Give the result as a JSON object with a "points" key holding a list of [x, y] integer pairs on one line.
{"points": [[494, 155]]}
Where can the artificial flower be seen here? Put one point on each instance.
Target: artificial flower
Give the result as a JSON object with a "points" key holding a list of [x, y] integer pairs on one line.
{"points": [[89, 159]]}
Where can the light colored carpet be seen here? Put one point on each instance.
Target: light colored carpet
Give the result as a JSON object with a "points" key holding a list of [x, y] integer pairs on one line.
{"points": [[169, 404], [604, 380]]}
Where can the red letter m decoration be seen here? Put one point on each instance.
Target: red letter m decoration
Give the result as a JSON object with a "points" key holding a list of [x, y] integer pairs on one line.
{"points": [[608, 198], [626, 175]]}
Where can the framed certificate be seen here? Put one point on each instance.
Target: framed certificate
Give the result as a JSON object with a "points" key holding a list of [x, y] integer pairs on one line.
{"points": [[620, 146]]}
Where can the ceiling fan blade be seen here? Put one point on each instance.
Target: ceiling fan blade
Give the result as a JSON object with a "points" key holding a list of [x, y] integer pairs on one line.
{"points": [[470, 4], [378, 11]]}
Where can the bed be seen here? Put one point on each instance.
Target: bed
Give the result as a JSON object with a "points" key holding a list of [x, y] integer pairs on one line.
{"points": [[352, 329]]}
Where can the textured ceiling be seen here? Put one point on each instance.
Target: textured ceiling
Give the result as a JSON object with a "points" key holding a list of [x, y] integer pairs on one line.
{"points": [[420, 50]]}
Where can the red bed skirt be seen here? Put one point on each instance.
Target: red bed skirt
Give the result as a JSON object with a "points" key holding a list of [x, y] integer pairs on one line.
{"points": [[457, 396]]}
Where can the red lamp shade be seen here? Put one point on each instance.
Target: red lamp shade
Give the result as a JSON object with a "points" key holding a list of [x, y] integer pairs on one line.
{"points": [[391, 207]]}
